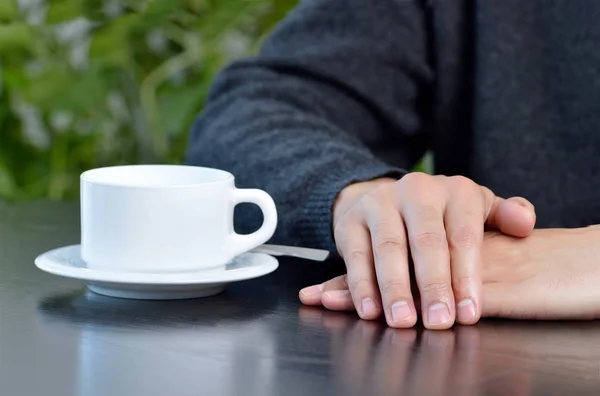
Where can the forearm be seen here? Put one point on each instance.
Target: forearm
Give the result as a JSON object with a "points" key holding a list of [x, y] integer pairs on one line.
{"points": [[298, 121]]}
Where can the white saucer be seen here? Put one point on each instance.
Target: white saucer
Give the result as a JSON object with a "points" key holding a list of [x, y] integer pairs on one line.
{"points": [[67, 262]]}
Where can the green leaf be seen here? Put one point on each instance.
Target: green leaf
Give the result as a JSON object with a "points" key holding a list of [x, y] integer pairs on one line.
{"points": [[197, 5], [85, 94], [94, 10], [63, 10], [177, 107], [14, 79], [137, 5], [15, 37], [8, 10], [36, 68], [60, 89], [224, 16], [8, 187], [110, 44], [278, 10], [46, 87], [157, 13], [105, 50]]}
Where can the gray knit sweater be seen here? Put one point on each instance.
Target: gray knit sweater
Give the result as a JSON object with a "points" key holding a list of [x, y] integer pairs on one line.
{"points": [[504, 92]]}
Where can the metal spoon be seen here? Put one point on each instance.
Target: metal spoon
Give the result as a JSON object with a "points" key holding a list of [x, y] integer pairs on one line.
{"points": [[293, 251]]}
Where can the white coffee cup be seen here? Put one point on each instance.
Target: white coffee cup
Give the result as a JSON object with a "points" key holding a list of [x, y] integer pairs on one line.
{"points": [[165, 218]]}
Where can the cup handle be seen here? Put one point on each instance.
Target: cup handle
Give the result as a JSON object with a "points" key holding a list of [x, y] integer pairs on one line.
{"points": [[243, 243]]}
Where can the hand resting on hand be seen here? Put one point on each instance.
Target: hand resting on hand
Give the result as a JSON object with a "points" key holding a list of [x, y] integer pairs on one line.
{"points": [[552, 274]]}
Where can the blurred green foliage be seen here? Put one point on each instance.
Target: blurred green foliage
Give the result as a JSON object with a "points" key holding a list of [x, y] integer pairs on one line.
{"points": [[88, 83]]}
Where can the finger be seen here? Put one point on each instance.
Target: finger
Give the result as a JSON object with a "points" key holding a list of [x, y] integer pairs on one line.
{"points": [[354, 243], [429, 248], [336, 294], [389, 244], [514, 216], [333, 294], [338, 283], [311, 295], [464, 220]]}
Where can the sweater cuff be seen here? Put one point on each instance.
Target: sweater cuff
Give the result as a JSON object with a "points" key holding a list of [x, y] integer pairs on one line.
{"points": [[316, 225]]}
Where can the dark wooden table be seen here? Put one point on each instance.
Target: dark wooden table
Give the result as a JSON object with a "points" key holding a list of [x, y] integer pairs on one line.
{"points": [[57, 339]]}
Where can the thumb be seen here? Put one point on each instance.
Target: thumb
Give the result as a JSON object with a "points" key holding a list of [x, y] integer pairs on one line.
{"points": [[514, 216]]}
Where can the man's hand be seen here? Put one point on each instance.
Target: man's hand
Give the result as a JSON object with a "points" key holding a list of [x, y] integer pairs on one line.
{"points": [[552, 274], [440, 221]]}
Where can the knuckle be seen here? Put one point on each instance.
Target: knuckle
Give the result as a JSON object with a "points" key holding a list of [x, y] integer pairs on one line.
{"points": [[354, 255], [394, 288], [435, 287], [416, 184], [465, 238], [371, 201], [428, 241], [461, 284], [388, 244], [381, 192], [415, 178], [371, 196], [359, 286], [461, 183]]}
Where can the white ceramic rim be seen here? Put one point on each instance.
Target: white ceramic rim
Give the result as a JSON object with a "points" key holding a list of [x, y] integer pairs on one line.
{"points": [[45, 263], [88, 176]]}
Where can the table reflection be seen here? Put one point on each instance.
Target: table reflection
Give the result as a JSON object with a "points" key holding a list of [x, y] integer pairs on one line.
{"points": [[493, 357], [248, 343], [128, 347]]}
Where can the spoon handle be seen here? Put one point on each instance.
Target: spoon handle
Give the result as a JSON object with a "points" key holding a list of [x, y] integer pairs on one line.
{"points": [[293, 251]]}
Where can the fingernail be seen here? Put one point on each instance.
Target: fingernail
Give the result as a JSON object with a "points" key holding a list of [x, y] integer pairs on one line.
{"points": [[368, 306], [438, 314], [522, 203], [400, 311], [312, 290], [338, 294], [466, 309], [526, 205]]}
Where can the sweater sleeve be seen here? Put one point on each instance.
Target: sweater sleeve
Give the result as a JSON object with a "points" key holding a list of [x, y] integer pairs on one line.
{"points": [[335, 86]]}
